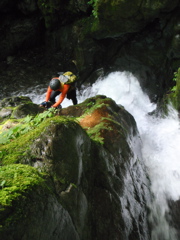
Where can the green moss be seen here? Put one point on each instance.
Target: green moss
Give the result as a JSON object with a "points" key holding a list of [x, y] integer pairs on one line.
{"points": [[17, 181], [10, 132], [14, 151]]}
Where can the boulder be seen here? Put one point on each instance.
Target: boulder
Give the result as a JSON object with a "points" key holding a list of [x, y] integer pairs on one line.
{"points": [[18, 107], [94, 185]]}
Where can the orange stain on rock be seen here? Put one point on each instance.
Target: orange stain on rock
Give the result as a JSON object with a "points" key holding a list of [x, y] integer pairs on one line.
{"points": [[94, 118]]}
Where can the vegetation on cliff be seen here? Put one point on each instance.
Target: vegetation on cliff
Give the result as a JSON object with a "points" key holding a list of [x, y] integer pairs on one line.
{"points": [[17, 183]]}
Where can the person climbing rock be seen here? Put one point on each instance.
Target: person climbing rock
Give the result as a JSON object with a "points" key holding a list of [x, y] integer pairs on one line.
{"points": [[63, 85]]}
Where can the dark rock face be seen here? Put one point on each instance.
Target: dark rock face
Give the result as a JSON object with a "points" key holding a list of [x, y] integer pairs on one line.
{"points": [[19, 30], [43, 219], [97, 187], [137, 36]]}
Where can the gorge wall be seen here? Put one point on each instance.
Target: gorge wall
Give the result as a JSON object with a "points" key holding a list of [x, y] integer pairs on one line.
{"points": [[91, 39]]}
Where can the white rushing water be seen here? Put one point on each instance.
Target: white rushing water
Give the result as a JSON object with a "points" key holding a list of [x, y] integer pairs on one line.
{"points": [[160, 142]]}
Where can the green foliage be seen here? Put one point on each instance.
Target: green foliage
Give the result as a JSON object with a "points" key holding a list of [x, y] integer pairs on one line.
{"points": [[174, 88], [25, 126], [12, 133], [40, 117], [94, 4], [95, 132], [16, 149], [173, 97], [91, 106], [175, 76]]}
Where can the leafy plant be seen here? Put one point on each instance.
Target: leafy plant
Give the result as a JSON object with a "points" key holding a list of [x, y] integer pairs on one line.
{"points": [[27, 124], [93, 3], [174, 88], [175, 76]]}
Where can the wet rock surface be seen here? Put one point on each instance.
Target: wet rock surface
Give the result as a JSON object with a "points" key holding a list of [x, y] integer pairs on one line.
{"points": [[91, 183]]}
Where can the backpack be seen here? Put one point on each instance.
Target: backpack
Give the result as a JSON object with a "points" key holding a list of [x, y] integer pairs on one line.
{"points": [[68, 78]]}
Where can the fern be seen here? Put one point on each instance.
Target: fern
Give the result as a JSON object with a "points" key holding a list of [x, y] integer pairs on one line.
{"points": [[28, 123]]}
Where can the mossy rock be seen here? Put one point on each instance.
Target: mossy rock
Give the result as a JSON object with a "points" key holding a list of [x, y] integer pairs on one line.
{"points": [[26, 109], [18, 107], [14, 148], [29, 206], [83, 157], [17, 183], [14, 101]]}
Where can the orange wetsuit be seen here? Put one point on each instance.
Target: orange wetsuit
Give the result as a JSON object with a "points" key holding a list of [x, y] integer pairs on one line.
{"points": [[63, 89]]}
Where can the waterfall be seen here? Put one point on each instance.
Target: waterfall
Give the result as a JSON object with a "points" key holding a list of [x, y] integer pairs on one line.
{"points": [[160, 137], [160, 145]]}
